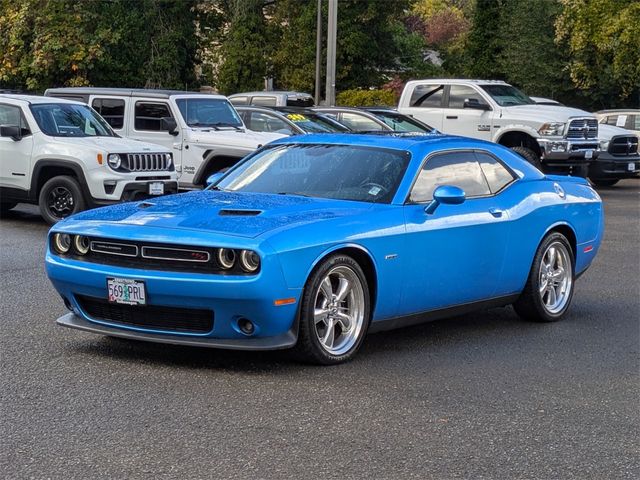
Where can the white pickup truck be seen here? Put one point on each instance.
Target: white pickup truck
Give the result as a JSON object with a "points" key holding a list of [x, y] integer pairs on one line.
{"points": [[556, 139], [204, 131], [64, 157]]}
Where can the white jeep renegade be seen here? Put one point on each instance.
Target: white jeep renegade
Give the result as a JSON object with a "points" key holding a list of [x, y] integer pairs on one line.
{"points": [[64, 157], [204, 131]]}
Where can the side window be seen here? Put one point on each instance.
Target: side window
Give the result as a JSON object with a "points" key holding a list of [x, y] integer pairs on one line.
{"points": [[264, 101], [359, 123], [111, 109], [427, 96], [612, 119], [262, 122], [458, 94], [496, 174], [148, 116], [12, 115], [636, 122], [460, 169], [239, 101]]}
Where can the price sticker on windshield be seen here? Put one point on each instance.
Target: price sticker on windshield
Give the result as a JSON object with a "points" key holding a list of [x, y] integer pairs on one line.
{"points": [[296, 117]]}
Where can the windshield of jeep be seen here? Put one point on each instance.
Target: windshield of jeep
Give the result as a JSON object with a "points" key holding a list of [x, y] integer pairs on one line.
{"points": [[214, 113], [70, 120], [506, 95]]}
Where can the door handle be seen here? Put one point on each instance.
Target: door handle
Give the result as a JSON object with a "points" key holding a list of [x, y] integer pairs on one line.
{"points": [[496, 212], [452, 117]]}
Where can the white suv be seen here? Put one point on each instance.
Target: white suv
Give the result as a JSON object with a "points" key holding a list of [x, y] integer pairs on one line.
{"points": [[64, 157], [552, 137], [204, 131]]}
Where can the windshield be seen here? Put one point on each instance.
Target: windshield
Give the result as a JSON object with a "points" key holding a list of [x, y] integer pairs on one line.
{"points": [[342, 172], [506, 95], [70, 120], [403, 123], [311, 123], [208, 112]]}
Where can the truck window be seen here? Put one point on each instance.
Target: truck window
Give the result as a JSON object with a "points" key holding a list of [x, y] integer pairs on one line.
{"points": [[148, 116], [111, 109], [428, 96], [458, 94], [239, 100], [264, 101]]}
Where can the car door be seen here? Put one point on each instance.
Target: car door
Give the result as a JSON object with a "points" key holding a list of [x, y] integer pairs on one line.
{"points": [[148, 127], [468, 122], [15, 155], [426, 104], [454, 255]]}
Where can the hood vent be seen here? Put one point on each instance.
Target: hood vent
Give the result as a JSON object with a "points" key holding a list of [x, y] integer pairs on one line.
{"points": [[239, 213], [145, 204]]}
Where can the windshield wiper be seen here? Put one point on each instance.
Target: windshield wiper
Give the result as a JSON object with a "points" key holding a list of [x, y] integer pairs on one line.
{"points": [[225, 124], [298, 194], [204, 125]]}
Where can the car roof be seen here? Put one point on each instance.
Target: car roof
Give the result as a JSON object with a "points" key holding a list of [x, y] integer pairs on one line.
{"points": [[37, 99], [271, 93], [392, 140], [127, 92], [448, 81], [628, 111]]}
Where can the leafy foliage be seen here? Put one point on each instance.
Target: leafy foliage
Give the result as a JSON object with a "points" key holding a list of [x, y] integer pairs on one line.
{"points": [[366, 98]]}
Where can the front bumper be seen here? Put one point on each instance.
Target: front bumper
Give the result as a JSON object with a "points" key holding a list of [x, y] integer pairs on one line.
{"points": [[567, 153], [614, 167], [228, 297], [130, 191]]}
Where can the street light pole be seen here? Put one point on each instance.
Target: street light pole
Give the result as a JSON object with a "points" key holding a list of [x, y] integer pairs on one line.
{"points": [[332, 26], [318, 50]]}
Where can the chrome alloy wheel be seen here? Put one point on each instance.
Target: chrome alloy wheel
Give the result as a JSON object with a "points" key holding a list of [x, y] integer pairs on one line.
{"points": [[60, 202], [556, 279], [339, 310]]}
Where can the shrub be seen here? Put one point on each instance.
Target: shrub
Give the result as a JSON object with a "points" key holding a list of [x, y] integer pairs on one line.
{"points": [[366, 98]]}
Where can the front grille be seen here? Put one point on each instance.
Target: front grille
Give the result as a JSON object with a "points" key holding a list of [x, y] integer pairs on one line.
{"points": [[583, 128], [147, 162], [624, 146], [188, 320]]}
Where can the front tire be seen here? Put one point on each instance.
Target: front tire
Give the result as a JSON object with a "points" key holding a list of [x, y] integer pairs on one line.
{"points": [[549, 288], [529, 155], [334, 312], [603, 182], [60, 197]]}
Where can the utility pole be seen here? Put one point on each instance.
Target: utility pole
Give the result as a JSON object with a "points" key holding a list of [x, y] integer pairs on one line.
{"points": [[332, 26], [318, 50]]}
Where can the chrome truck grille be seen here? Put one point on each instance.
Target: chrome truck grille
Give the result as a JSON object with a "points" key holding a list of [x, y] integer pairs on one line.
{"points": [[624, 146], [148, 162], [583, 128]]}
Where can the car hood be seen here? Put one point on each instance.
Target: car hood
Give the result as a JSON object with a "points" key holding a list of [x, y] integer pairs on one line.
{"points": [[228, 213], [232, 138], [546, 113], [113, 144], [607, 132]]}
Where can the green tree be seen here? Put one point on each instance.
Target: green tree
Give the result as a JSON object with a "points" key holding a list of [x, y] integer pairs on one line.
{"points": [[603, 39], [484, 45]]}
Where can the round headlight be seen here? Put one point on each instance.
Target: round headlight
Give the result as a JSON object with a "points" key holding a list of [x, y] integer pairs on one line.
{"points": [[226, 258], [249, 261], [61, 242], [81, 244], [169, 159], [114, 161]]}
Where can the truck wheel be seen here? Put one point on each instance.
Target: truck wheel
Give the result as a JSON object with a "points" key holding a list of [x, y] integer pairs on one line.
{"points": [[5, 207], [603, 182], [60, 197], [529, 155]]}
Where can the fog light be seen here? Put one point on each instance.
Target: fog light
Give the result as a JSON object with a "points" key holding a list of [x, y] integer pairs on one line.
{"points": [[246, 326]]}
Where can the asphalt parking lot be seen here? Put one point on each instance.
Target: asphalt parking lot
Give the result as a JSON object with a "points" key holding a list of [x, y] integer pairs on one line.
{"points": [[484, 395]]}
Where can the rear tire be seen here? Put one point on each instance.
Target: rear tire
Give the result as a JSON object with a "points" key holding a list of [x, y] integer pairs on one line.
{"points": [[529, 155], [549, 288], [334, 312], [59, 198], [603, 182]]}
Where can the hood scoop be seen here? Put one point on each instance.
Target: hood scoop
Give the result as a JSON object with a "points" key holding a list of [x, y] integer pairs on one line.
{"points": [[229, 212]]}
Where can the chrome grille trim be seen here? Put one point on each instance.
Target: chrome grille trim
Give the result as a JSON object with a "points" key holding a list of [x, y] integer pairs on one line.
{"points": [[147, 162], [583, 128], [95, 247]]}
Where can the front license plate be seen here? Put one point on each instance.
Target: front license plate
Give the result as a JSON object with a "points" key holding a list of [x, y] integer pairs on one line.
{"points": [[124, 290], [588, 154], [631, 167], [156, 188]]}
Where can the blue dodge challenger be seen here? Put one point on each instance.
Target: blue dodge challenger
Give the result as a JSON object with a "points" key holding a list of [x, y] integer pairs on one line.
{"points": [[314, 241]]}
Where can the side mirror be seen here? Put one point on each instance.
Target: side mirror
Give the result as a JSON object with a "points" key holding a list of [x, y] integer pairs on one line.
{"points": [[447, 195], [13, 131], [213, 178], [169, 124], [475, 104]]}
